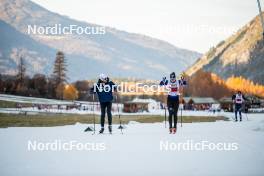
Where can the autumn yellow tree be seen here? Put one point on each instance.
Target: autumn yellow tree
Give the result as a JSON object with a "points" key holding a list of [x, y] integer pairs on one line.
{"points": [[206, 84], [60, 91], [245, 85], [70, 92]]}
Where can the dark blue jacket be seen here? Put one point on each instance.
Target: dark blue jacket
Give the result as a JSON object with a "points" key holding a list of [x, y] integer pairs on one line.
{"points": [[104, 91]]}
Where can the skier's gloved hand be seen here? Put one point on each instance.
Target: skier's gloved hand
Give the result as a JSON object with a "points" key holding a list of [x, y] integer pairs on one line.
{"points": [[92, 90], [183, 76], [164, 81], [183, 80]]}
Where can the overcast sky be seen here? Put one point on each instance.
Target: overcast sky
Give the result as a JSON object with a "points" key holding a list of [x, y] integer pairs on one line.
{"points": [[190, 24]]}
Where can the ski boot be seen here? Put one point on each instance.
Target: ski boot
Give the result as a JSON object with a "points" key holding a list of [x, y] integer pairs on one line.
{"points": [[174, 130], [171, 129], [110, 129], [101, 131]]}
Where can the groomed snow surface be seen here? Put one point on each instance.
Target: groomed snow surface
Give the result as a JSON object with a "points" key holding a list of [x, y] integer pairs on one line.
{"points": [[137, 151]]}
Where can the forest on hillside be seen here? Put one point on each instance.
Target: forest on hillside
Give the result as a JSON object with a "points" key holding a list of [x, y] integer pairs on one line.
{"points": [[56, 85]]}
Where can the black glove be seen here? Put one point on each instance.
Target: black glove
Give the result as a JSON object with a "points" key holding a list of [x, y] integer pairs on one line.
{"points": [[92, 90]]}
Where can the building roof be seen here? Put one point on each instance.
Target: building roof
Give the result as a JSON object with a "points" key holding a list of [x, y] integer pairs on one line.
{"points": [[261, 100], [187, 99], [133, 102], [33, 100], [200, 100], [226, 100], [141, 101]]}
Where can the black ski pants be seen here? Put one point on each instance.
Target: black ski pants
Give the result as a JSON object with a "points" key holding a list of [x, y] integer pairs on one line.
{"points": [[238, 109], [106, 107], [173, 106]]}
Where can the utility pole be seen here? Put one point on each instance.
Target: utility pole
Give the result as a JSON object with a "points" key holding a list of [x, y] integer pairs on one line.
{"points": [[261, 17]]}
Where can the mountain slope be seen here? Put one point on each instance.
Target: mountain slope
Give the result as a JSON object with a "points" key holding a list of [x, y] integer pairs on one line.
{"points": [[37, 54], [117, 53], [240, 55]]}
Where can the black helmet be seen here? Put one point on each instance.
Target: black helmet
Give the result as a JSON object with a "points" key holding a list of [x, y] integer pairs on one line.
{"points": [[172, 75]]}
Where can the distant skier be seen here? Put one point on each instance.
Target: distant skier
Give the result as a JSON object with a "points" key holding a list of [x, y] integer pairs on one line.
{"points": [[238, 100], [173, 98], [104, 90]]}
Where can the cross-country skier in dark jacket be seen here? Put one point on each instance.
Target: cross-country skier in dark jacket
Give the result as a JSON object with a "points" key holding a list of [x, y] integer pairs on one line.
{"points": [[104, 89], [238, 100], [173, 98]]}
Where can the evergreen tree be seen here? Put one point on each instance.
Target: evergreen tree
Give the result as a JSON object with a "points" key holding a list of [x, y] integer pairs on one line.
{"points": [[20, 84], [21, 72], [59, 74]]}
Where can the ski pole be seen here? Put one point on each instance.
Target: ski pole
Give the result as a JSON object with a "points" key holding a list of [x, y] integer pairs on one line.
{"points": [[181, 107], [120, 123], [234, 111], [246, 116], [245, 112], [182, 88], [181, 117], [165, 116], [93, 115], [89, 128]]}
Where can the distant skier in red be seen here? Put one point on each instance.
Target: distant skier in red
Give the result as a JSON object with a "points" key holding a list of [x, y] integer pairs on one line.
{"points": [[173, 85]]}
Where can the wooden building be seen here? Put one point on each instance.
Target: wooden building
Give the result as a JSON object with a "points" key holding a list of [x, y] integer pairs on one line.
{"points": [[198, 103], [226, 104], [135, 106]]}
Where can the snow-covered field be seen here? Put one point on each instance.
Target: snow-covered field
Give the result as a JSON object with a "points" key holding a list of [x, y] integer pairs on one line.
{"points": [[137, 151]]}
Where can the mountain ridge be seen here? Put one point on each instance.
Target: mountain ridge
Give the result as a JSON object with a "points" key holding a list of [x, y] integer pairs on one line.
{"points": [[239, 55], [117, 52]]}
